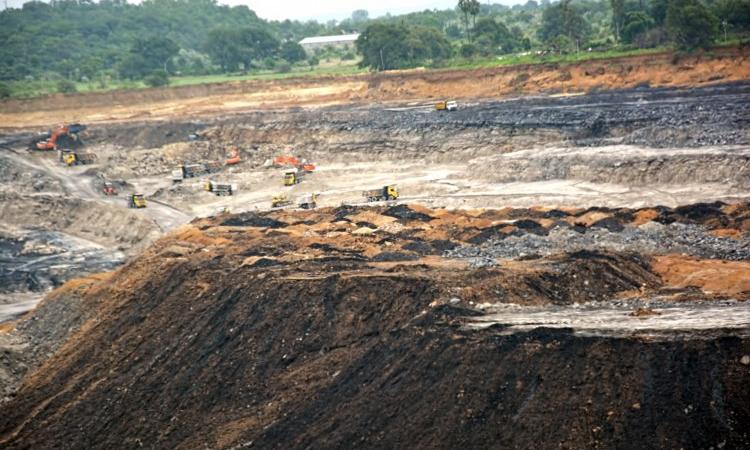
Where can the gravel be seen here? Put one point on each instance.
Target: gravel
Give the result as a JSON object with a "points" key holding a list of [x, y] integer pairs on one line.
{"points": [[651, 238]]}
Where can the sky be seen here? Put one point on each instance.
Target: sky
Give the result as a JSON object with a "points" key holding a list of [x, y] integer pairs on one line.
{"points": [[323, 10]]}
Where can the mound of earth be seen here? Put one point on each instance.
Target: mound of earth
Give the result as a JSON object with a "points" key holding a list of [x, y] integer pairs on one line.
{"points": [[294, 330]]}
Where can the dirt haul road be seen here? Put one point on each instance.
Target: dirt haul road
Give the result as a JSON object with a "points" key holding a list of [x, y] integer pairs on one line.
{"points": [[58, 225]]}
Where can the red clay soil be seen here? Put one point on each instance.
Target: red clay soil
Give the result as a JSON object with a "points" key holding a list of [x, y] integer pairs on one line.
{"points": [[730, 278]]}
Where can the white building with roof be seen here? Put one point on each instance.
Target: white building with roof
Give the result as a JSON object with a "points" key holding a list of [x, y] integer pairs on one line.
{"points": [[340, 41]]}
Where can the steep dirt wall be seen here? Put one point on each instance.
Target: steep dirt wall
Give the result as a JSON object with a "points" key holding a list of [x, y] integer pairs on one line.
{"points": [[664, 69]]}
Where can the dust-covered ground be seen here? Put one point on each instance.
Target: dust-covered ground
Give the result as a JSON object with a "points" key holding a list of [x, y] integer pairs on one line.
{"points": [[551, 242]]}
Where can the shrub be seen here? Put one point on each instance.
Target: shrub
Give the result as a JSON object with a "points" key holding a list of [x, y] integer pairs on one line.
{"points": [[313, 61], [157, 78], [66, 86], [4, 90], [283, 67], [468, 50], [348, 56]]}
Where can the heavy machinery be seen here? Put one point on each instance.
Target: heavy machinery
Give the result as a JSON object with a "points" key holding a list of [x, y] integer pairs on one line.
{"points": [[234, 156], [280, 200], [309, 201], [109, 188], [446, 105], [136, 201], [297, 163], [292, 177], [220, 189], [64, 137], [389, 192], [194, 170], [71, 158]]}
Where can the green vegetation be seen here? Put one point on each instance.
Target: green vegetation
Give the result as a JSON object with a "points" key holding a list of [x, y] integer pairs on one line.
{"points": [[390, 46], [81, 46]]}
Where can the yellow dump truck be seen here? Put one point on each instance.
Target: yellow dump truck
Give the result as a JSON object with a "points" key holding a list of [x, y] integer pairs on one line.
{"points": [[136, 201], [389, 192], [74, 158], [446, 105], [292, 177], [220, 189]]}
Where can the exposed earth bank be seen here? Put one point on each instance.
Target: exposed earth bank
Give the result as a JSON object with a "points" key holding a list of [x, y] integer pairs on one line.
{"points": [[656, 70]]}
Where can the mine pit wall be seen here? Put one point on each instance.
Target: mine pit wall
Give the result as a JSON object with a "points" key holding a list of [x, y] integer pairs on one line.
{"points": [[647, 136], [100, 223]]}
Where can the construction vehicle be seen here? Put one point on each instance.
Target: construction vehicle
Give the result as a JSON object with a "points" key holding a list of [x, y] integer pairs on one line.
{"points": [[194, 170], [64, 137], [308, 201], [109, 188], [136, 201], [220, 189], [280, 200], [292, 177], [234, 156], [446, 105], [389, 192], [71, 158], [297, 163]]}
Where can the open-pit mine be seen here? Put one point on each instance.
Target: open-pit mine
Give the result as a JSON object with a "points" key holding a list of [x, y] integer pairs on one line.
{"points": [[552, 269]]}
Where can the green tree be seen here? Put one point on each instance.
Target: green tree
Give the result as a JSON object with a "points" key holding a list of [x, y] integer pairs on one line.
{"points": [[469, 8], [490, 32], [563, 19], [147, 55], [636, 23], [360, 15], [618, 17], [396, 46], [156, 52], [256, 44], [691, 25], [224, 47], [292, 52]]}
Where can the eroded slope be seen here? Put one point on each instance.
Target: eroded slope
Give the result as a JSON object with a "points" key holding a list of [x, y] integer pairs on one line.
{"points": [[351, 325]]}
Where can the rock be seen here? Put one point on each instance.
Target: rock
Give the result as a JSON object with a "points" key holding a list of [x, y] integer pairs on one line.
{"points": [[745, 360], [363, 231]]}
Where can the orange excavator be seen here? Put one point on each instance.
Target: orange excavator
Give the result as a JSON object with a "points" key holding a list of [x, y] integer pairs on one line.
{"points": [[65, 137], [234, 156], [301, 164]]}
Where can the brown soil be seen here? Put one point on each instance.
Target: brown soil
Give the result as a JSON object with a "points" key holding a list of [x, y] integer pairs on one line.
{"points": [[724, 65], [288, 330], [731, 278]]}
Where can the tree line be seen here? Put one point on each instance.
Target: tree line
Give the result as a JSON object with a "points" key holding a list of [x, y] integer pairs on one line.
{"points": [[81, 40]]}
